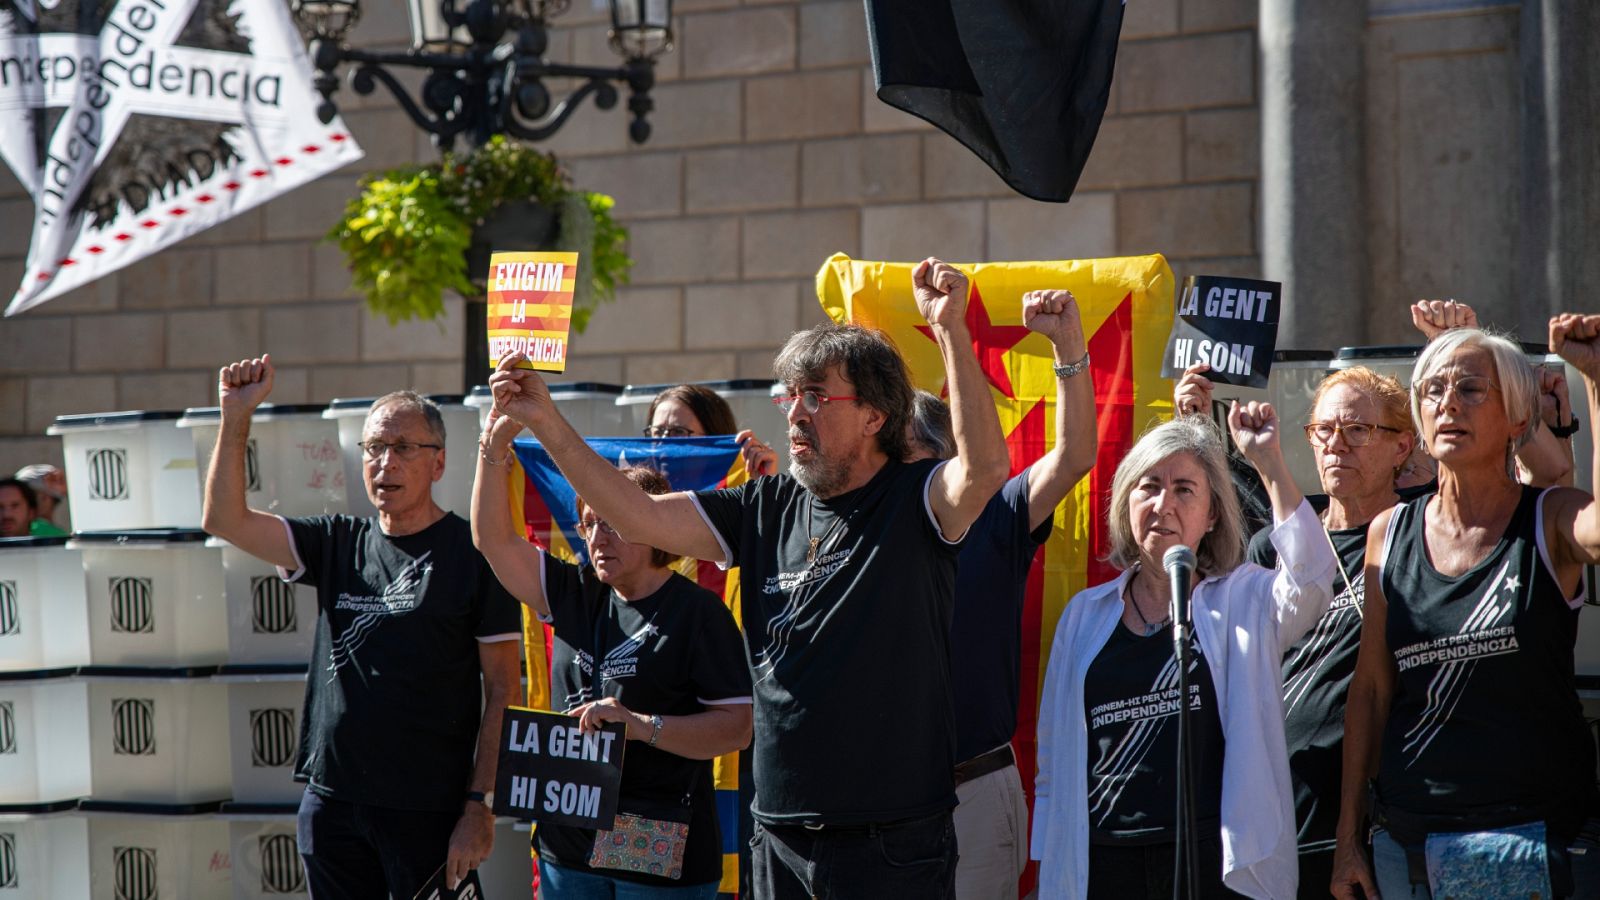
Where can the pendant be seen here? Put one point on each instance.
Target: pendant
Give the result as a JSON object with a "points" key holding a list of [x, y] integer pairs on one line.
{"points": [[811, 554]]}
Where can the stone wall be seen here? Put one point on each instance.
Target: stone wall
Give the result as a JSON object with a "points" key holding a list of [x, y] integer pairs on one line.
{"points": [[770, 152]]}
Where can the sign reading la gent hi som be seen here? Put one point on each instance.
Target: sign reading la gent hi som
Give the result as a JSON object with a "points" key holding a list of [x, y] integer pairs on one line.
{"points": [[1229, 324], [551, 771]]}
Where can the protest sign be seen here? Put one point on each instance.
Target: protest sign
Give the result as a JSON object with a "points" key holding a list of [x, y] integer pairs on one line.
{"points": [[1229, 324], [132, 126], [436, 889], [530, 307], [552, 772]]}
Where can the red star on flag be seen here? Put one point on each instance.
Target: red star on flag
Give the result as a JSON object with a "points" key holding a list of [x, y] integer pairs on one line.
{"points": [[990, 342]]}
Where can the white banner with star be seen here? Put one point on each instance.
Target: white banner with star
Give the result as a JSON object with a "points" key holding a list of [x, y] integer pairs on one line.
{"points": [[134, 124]]}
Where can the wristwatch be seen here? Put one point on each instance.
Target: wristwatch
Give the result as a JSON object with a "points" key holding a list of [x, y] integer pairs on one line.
{"points": [[1565, 431], [655, 730], [484, 797], [1072, 369]]}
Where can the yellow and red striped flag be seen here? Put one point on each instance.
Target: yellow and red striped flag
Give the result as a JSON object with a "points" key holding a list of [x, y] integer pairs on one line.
{"points": [[1126, 308]]}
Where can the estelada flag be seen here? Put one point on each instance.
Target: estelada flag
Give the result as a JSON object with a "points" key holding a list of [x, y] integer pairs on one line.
{"points": [[530, 307], [1126, 308], [1022, 83], [544, 500]]}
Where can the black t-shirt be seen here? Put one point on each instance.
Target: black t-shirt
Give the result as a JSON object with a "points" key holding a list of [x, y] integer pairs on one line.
{"points": [[1130, 704], [1485, 728], [672, 653], [1316, 682], [393, 697], [849, 652], [986, 637]]}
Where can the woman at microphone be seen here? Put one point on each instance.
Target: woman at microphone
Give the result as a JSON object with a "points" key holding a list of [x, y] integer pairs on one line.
{"points": [[1105, 823]]}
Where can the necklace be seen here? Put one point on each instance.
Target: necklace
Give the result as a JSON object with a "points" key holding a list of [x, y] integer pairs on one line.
{"points": [[1149, 626], [815, 543]]}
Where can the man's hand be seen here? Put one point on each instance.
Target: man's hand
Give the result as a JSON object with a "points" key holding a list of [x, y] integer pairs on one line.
{"points": [[1350, 871], [470, 843], [1555, 408], [759, 459], [1435, 317], [1054, 314], [941, 292], [1576, 338], [1193, 392], [242, 386], [520, 394]]}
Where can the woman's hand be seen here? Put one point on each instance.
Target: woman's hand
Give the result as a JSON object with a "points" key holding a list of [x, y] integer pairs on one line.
{"points": [[1576, 338], [520, 394], [759, 459], [1435, 317], [1254, 427], [592, 715], [1351, 870], [1193, 391]]}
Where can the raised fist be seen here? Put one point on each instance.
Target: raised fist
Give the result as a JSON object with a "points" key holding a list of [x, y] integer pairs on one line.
{"points": [[941, 292], [242, 386]]}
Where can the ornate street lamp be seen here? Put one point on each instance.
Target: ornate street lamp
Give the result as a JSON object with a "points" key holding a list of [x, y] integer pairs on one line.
{"points": [[486, 67]]}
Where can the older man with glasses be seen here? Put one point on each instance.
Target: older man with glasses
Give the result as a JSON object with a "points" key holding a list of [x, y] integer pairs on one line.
{"points": [[399, 739], [847, 568]]}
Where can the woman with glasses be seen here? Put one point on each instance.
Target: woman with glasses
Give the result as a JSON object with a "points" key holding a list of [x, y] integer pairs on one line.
{"points": [[671, 668], [694, 410], [1462, 711], [1104, 822], [1361, 437]]}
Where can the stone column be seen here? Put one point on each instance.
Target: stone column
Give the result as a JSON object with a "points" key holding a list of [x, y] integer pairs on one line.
{"points": [[1313, 222], [1558, 248]]}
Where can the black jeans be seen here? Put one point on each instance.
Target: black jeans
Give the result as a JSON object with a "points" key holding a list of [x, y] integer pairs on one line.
{"points": [[904, 859], [353, 851], [1145, 872]]}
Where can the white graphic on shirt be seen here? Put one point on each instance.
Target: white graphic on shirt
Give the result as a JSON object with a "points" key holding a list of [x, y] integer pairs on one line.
{"points": [[621, 661], [1311, 659], [399, 597], [781, 625], [1485, 633], [1149, 713]]}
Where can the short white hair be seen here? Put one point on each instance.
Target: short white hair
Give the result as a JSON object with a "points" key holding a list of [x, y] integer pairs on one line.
{"points": [[1519, 383]]}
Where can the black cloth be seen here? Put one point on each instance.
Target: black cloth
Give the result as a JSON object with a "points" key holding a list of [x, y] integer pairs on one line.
{"points": [[353, 851], [986, 637], [850, 654], [915, 859], [1144, 871], [1485, 685], [394, 697], [1022, 83], [1130, 705], [1316, 682], [672, 653]]}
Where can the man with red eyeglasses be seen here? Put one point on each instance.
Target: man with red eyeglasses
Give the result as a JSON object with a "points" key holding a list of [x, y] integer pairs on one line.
{"points": [[847, 567]]}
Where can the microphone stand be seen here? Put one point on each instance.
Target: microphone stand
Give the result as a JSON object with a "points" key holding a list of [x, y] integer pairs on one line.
{"points": [[1186, 863]]}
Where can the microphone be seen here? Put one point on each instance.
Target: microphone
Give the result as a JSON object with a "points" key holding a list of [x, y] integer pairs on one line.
{"points": [[1180, 564]]}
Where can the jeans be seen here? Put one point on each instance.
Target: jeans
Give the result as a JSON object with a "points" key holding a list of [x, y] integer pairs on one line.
{"points": [[870, 862], [566, 883], [1393, 875], [1145, 872], [353, 851]]}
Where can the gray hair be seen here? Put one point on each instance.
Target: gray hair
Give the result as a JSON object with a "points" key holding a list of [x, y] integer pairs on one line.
{"points": [[871, 363], [1222, 548], [1519, 384], [411, 401], [930, 425]]}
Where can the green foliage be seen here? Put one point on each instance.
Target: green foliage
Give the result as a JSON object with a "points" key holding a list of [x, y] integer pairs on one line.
{"points": [[406, 234]]}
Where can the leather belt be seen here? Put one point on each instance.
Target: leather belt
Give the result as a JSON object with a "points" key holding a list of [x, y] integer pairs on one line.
{"points": [[985, 763]]}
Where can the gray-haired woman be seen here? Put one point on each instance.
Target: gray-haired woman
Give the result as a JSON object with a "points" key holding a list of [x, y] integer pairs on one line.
{"points": [[1463, 705], [1104, 814]]}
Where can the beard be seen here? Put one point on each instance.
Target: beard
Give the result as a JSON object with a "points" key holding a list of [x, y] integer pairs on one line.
{"points": [[822, 475]]}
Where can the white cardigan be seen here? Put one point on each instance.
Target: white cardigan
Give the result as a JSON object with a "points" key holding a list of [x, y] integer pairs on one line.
{"points": [[1245, 621]]}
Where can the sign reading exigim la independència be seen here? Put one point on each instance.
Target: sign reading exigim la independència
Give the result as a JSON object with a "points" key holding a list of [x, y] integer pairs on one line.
{"points": [[1229, 324], [530, 307]]}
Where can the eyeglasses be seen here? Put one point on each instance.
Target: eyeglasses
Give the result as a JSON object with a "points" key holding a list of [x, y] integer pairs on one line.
{"points": [[590, 528], [810, 401], [403, 449], [1470, 390], [668, 431], [1355, 434]]}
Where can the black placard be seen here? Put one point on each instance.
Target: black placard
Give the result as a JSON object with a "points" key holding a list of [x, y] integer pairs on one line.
{"points": [[551, 772], [1230, 324], [435, 889]]}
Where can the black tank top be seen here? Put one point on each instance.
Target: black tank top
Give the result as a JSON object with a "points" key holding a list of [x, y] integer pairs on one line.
{"points": [[1485, 728]]}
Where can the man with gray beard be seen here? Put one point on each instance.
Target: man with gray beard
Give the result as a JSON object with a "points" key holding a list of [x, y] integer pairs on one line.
{"points": [[847, 567]]}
